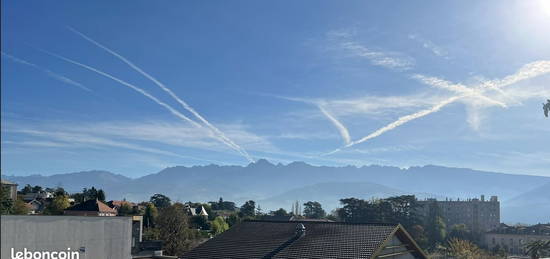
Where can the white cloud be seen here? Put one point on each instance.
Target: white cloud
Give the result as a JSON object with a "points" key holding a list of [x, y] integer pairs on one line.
{"points": [[344, 40]]}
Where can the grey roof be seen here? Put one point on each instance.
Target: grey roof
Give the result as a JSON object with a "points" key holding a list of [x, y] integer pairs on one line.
{"points": [[278, 239], [6, 182]]}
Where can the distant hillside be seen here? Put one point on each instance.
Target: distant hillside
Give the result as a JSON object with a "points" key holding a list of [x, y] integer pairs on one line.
{"points": [[275, 184], [329, 194]]}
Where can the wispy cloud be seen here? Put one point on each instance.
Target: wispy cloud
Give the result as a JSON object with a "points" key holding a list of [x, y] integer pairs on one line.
{"points": [[220, 135], [165, 137], [48, 72], [344, 39], [429, 45]]}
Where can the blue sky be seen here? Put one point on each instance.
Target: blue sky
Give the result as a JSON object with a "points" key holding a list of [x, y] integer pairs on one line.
{"points": [[403, 83]]}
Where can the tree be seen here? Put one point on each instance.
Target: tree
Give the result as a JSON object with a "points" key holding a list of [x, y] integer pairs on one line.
{"points": [[37, 189], [313, 210], [6, 203], [100, 195], [160, 201], [248, 209], [125, 210], [26, 189], [150, 215], [279, 212], [435, 226], [57, 206], [20, 208], [219, 225], [460, 231], [233, 219], [538, 248], [464, 249], [174, 230]]}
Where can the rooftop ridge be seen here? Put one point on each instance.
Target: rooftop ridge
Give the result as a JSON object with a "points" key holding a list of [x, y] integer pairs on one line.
{"points": [[325, 222]]}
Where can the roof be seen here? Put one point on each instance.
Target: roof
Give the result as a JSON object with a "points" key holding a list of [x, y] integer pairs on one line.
{"points": [[92, 205], [279, 239], [6, 182], [119, 204]]}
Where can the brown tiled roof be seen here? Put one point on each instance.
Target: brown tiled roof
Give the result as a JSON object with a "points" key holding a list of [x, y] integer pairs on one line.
{"points": [[119, 204], [92, 205], [278, 239]]}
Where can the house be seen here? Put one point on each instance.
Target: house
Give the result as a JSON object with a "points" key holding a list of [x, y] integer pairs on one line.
{"points": [[91, 208], [513, 239], [198, 211], [310, 239], [41, 195], [35, 206], [12, 187]]}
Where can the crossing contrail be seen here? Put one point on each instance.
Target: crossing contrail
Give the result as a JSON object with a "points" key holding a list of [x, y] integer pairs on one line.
{"points": [[530, 70], [222, 137], [457, 88], [50, 73], [341, 128]]}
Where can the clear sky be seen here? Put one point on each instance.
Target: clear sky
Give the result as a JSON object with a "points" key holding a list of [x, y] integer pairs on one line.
{"points": [[135, 86]]}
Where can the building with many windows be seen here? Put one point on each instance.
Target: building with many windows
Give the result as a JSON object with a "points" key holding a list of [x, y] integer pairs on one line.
{"points": [[479, 215]]}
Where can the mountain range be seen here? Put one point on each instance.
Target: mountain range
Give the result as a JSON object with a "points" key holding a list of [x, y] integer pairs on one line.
{"points": [[524, 198]]}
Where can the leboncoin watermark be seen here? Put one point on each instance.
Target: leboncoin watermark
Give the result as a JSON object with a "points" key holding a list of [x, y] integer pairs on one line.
{"points": [[26, 254]]}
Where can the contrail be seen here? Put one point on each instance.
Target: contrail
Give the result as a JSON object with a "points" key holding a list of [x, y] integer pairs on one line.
{"points": [[527, 71], [218, 132], [135, 88], [341, 128], [50, 73], [400, 121], [458, 88]]}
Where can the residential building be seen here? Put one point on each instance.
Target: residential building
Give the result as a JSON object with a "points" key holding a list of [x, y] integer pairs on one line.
{"points": [[41, 195], [90, 208], [306, 239], [12, 188], [198, 211], [479, 215], [513, 239]]}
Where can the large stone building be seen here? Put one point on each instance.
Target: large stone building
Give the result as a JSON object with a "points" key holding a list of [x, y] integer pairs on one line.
{"points": [[479, 215], [513, 239]]}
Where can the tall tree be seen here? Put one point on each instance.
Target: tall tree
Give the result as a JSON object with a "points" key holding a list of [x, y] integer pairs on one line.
{"points": [[160, 201], [248, 209], [313, 210], [174, 230], [150, 215], [435, 225]]}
